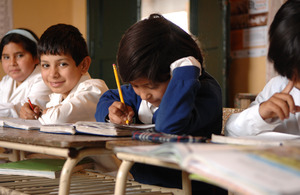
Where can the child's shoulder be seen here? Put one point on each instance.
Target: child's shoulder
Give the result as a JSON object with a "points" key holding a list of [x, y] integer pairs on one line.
{"points": [[93, 83], [278, 82]]}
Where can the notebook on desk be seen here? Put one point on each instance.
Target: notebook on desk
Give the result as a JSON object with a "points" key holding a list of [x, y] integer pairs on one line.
{"points": [[266, 139], [95, 128], [19, 123]]}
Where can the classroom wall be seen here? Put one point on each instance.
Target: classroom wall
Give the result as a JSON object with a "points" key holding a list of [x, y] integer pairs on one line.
{"points": [[249, 68], [38, 15]]}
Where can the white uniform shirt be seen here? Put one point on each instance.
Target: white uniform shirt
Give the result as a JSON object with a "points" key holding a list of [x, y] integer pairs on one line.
{"points": [[12, 97], [249, 122], [80, 104]]}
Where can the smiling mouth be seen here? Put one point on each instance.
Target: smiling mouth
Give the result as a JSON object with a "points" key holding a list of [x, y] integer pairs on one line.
{"points": [[15, 70], [56, 84]]}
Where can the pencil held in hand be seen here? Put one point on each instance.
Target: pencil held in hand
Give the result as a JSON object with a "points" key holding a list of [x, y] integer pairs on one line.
{"points": [[119, 87], [30, 104]]}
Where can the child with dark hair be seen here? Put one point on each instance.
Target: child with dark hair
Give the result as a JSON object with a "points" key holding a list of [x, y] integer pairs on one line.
{"points": [[20, 62], [276, 107], [167, 85], [65, 62]]}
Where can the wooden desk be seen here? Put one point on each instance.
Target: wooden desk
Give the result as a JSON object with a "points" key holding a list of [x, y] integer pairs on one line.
{"points": [[129, 159], [71, 147]]}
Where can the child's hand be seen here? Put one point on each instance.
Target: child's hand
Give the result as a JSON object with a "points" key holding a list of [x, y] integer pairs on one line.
{"points": [[27, 113], [279, 105], [119, 113]]}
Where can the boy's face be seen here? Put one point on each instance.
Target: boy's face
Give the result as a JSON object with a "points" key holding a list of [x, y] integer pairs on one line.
{"points": [[60, 73], [17, 62], [149, 91]]}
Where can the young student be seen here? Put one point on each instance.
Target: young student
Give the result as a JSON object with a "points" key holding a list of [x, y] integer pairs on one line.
{"points": [[65, 62], [167, 85], [276, 108], [23, 78]]}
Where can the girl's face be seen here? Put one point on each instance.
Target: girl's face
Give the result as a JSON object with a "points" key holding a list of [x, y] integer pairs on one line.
{"points": [[17, 62], [149, 91], [60, 73]]}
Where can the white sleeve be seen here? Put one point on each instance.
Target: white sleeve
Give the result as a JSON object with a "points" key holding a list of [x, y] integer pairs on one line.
{"points": [[39, 93], [8, 110], [186, 61], [248, 122], [80, 107]]}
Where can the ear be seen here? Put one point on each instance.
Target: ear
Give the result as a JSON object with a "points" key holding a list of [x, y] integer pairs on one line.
{"points": [[36, 60], [85, 64]]}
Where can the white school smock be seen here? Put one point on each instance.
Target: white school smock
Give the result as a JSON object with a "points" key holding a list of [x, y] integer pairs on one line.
{"points": [[249, 122], [79, 105], [12, 97]]}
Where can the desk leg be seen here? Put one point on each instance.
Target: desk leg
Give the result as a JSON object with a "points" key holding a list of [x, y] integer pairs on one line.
{"points": [[186, 183], [65, 177], [122, 177]]}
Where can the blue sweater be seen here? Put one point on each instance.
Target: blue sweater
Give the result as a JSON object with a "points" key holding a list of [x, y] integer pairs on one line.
{"points": [[191, 105]]}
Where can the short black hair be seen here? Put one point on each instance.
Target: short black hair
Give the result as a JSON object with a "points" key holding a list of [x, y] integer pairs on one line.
{"points": [[63, 39], [148, 48], [27, 43], [284, 37]]}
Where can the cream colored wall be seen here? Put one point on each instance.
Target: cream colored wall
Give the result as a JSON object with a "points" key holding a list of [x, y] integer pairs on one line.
{"points": [[38, 15]]}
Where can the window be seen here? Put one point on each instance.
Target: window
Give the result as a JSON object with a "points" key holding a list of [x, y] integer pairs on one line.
{"points": [[176, 11]]}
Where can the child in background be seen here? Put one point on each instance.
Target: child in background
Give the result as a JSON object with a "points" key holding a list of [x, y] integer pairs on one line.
{"points": [[276, 108], [65, 62], [20, 62], [168, 86]]}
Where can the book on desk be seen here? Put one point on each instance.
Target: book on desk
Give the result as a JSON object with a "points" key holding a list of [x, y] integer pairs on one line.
{"points": [[95, 128], [80, 127], [49, 168], [20, 123], [242, 169], [266, 139]]}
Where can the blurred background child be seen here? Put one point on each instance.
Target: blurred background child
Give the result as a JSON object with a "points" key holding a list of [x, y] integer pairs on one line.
{"points": [[20, 62], [276, 108]]}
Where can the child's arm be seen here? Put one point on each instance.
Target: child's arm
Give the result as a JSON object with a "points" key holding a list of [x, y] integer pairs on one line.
{"points": [[260, 117], [78, 106], [190, 106]]}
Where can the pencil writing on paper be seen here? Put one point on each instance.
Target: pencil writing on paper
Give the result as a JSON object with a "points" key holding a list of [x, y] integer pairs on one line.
{"points": [[119, 87]]}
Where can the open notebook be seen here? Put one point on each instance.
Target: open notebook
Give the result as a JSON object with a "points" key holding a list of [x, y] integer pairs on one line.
{"points": [[19, 123], [95, 128]]}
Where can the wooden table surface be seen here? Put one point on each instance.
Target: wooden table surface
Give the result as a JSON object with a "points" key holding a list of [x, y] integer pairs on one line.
{"points": [[129, 142], [35, 137]]}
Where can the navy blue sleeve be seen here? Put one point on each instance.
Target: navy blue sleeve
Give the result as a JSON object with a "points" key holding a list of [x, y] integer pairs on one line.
{"points": [[191, 104], [112, 95]]}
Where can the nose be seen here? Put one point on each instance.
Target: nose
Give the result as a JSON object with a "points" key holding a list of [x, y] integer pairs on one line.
{"points": [[53, 72], [13, 61], [145, 95]]}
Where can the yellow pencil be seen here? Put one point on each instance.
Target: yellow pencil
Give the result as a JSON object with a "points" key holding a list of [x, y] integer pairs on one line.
{"points": [[119, 87]]}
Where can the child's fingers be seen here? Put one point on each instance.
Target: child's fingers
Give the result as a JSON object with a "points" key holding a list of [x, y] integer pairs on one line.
{"points": [[288, 87], [130, 113], [118, 113]]}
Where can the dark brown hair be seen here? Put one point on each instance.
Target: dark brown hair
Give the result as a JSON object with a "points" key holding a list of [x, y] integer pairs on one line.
{"points": [[148, 48]]}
